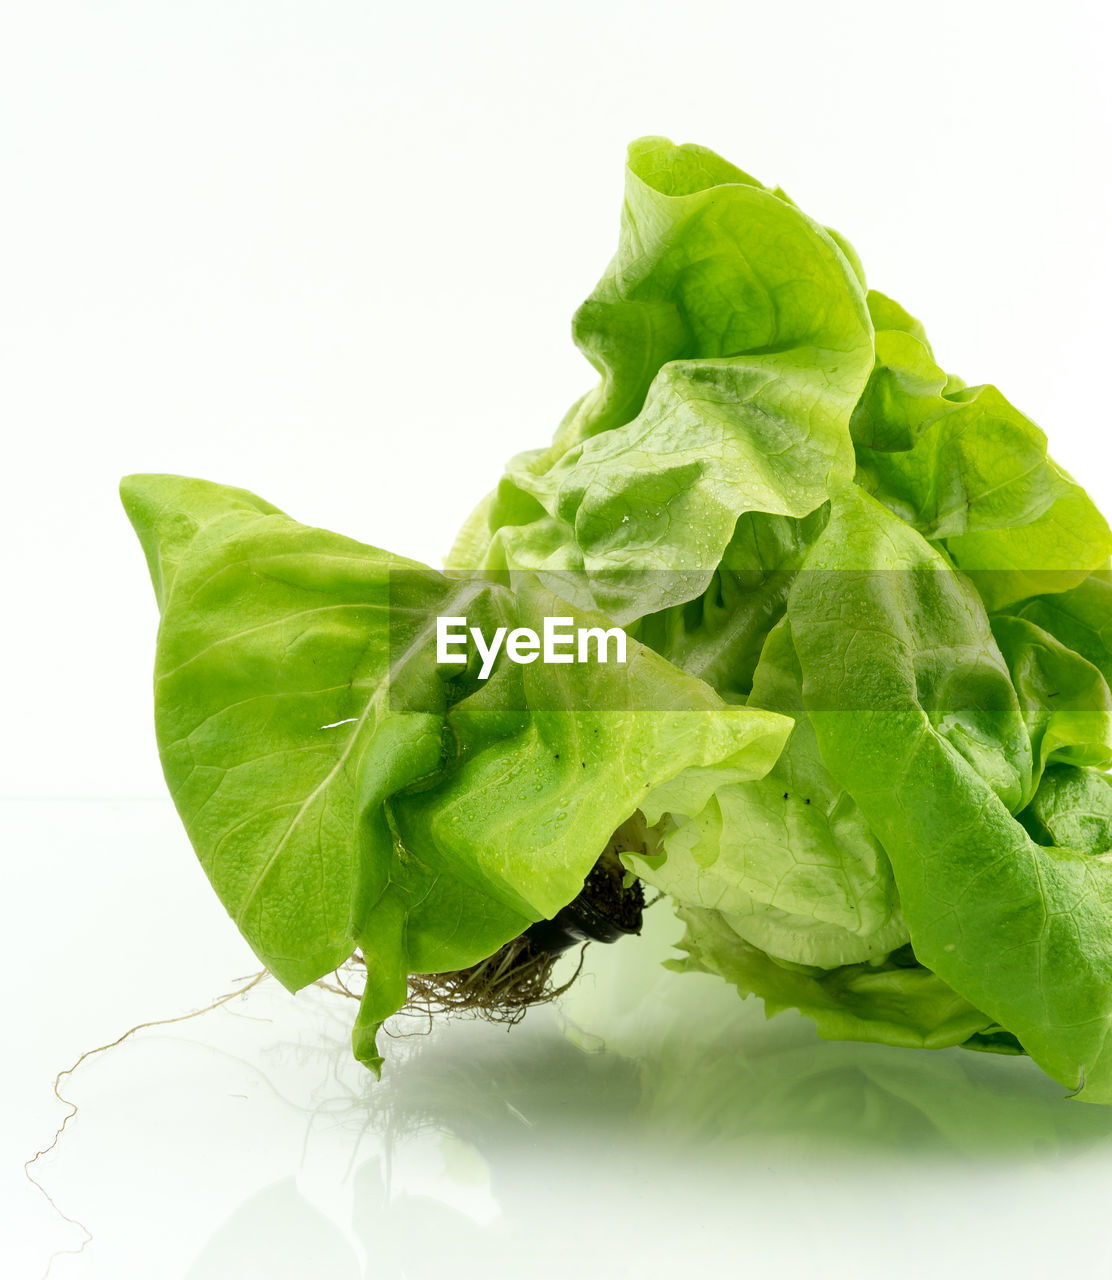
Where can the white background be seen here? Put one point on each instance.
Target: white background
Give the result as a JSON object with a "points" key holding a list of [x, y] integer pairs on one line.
{"points": [[329, 251]]}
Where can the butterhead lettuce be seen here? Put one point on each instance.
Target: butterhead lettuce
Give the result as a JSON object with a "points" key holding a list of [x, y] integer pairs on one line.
{"points": [[863, 732]]}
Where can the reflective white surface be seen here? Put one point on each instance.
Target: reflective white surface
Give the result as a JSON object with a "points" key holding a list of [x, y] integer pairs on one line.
{"points": [[651, 1124]]}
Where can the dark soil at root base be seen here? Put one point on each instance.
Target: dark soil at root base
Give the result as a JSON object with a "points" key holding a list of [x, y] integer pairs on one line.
{"points": [[606, 890]]}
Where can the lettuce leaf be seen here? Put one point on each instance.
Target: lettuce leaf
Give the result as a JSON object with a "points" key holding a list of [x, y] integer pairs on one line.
{"points": [[719, 634], [889, 1003], [901, 679], [733, 341], [1072, 809], [342, 791], [1064, 699], [788, 860], [963, 466], [1081, 618]]}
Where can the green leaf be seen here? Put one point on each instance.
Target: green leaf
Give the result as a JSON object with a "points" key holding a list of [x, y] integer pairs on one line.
{"points": [[890, 661], [718, 636], [1072, 809], [889, 1004], [733, 341], [787, 859], [342, 790], [1080, 618], [1053, 553], [1065, 701], [963, 466]]}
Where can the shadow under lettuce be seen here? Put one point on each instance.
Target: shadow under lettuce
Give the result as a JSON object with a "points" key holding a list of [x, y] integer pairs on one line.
{"points": [[642, 1081], [653, 1058]]}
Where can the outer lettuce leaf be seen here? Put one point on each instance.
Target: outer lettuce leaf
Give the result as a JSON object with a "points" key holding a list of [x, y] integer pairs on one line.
{"points": [[787, 859], [733, 341], [341, 791], [1053, 553], [1020, 930], [963, 466]]}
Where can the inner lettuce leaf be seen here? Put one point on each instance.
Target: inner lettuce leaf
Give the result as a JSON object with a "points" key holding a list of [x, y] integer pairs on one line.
{"points": [[1064, 699], [733, 341], [901, 675], [342, 791], [1072, 809], [719, 634], [890, 1003], [1081, 618], [788, 859]]}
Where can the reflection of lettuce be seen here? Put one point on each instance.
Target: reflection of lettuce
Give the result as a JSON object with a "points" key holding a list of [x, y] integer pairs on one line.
{"points": [[802, 519], [656, 1068]]}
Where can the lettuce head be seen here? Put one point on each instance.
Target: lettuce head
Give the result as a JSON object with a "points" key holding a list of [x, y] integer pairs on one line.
{"points": [[862, 733]]}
